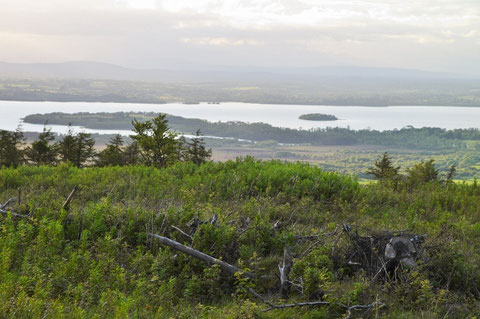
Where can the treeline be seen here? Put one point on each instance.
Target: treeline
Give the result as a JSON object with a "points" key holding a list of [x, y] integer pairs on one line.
{"points": [[412, 138], [153, 145], [328, 91]]}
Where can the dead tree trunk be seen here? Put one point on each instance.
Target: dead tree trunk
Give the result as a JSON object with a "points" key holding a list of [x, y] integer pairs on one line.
{"points": [[284, 269], [199, 255]]}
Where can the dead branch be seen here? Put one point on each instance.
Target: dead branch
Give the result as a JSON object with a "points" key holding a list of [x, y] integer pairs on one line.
{"points": [[4, 205], [296, 304], [5, 212], [213, 219], [318, 241], [69, 198], [362, 307], [285, 272], [183, 233], [258, 296], [199, 255], [309, 248], [349, 309]]}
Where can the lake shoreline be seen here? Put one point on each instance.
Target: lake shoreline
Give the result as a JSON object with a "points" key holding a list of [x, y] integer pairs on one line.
{"points": [[225, 102], [276, 115]]}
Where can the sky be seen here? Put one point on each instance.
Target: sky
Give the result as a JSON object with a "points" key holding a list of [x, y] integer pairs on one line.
{"points": [[436, 35]]}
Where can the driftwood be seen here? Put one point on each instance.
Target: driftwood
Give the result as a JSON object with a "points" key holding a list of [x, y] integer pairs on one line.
{"points": [[69, 198], [199, 255]]}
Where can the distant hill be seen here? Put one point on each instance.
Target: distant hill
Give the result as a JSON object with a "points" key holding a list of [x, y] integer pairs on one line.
{"points": [[105, 71]]}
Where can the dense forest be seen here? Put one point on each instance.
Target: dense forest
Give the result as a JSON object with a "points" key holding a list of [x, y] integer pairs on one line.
{"points": [[92, 256], [410, 138]]}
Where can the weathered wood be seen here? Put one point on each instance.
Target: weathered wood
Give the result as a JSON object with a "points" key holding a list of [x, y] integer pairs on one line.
{"points": [[202, 256], [7, 202], [284, 269], [183, 233], [69, 198], [5, 212]]}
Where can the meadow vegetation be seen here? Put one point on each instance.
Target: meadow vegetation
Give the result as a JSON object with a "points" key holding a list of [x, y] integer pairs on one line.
{"points": [[94, 258]]}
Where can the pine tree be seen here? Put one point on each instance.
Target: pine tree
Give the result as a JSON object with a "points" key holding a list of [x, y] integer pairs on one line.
{"points": [[196, 150], [421, 173], [131, 154], [383, 169], [66, 147], [113, 154], [77, 149], [42, 152], [451, 172], [158, 146], [84, 148], [11, 152]]}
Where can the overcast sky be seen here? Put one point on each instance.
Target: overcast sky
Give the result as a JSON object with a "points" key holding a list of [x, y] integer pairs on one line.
{"points": [[442, 35]]}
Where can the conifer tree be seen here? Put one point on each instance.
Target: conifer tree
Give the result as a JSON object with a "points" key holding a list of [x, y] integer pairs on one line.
{"points": [[158, 145], [11, 152], [66, 147], [421, 173], [383, 169], [42, 152], [131, 154], [77, 149], [196, 150], [113, 154]]}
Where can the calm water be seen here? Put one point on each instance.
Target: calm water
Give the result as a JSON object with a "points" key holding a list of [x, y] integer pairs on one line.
{"points": [[355, 117]]}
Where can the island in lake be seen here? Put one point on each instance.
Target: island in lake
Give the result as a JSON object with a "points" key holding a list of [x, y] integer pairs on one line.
{"points": [[318, 117]]}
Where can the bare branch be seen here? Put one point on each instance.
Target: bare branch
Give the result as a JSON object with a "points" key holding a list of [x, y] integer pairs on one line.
{"points": [[362, 307], [298, 304], [202, 256], [4, 205], [5, 212], [69, 198], [183, 233], [258, 296]]}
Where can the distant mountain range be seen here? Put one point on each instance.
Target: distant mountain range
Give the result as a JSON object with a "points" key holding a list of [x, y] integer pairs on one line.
{"points": [[105, 71]]}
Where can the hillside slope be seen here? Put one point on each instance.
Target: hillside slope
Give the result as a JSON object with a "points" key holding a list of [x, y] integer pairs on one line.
{"points": [[95, 259]]}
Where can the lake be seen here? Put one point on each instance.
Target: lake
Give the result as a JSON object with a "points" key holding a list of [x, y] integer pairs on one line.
{"points": [[355, 117]]}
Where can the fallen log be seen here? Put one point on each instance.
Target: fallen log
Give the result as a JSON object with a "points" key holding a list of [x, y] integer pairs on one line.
{"points": [[233, 270], [202, 256]]}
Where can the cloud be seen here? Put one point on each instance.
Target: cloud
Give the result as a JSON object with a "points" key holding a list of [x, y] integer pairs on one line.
{"points": [[433, 34]]}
